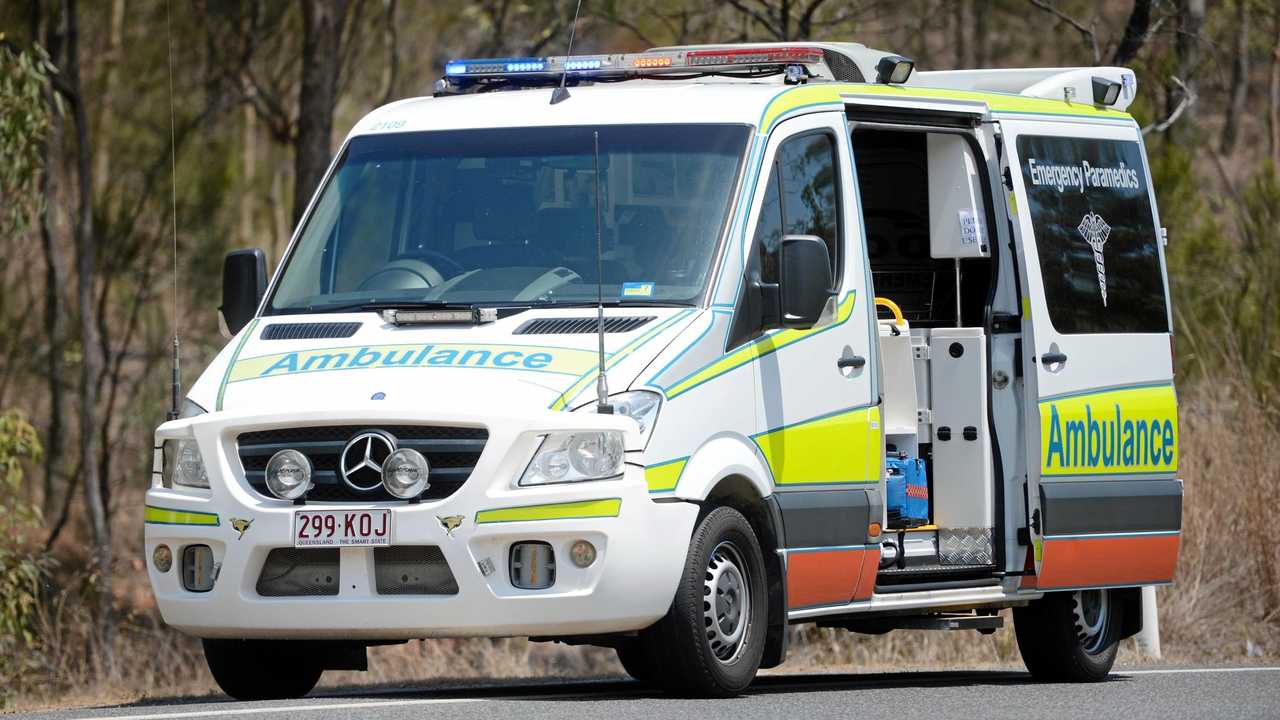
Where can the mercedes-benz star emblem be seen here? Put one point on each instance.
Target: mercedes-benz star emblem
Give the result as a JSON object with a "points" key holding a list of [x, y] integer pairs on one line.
{"points": [[362, 458]]}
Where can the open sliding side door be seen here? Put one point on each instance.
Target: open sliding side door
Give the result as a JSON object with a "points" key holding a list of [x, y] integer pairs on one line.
{"points": [[1104, 501]]}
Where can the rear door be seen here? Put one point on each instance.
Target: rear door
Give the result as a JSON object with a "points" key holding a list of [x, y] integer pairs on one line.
{"points": [[1103, 498]]}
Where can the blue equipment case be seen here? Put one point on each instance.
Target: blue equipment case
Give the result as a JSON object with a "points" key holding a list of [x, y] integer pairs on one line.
{"points": [[908, 491]]}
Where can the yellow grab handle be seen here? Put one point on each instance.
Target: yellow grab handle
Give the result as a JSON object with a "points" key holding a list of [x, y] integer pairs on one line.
{"points": [[893, 308]]}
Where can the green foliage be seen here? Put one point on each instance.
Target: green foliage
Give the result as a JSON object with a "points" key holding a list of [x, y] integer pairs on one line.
{"points": [[23, 569], [24, 128]]}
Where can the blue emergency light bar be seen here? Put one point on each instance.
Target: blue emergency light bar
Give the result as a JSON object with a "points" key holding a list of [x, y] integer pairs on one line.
{"points": [[632, 64]]}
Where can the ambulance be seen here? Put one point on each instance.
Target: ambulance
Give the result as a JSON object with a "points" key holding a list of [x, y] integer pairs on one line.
{"points": [[670, 351]]}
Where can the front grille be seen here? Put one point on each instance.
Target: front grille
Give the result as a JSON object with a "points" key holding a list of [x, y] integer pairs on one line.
{"points": [[452, 451], [299, 572], [412, 570]]}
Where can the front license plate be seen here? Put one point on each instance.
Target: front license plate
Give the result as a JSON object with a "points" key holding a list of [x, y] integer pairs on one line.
{"points": [[340, 528]]}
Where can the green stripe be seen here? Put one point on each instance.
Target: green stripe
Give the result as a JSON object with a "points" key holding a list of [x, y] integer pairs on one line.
{"points": [[555, 511], [153, 515], [226, 376]]}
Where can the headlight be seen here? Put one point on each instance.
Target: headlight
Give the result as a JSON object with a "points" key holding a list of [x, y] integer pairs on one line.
{"points": [[639, 405], [183, 464], [575, 457], [404, 473], [288, 474]]}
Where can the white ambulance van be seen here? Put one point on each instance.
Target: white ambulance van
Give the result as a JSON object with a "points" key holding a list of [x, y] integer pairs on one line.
{"points": [[669, 351]]}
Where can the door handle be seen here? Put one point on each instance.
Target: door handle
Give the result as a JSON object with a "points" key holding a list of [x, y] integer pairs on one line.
{"points": [[1053, 358], [854, 362]]}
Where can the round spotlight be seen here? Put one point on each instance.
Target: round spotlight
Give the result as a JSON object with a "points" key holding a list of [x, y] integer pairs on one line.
{"points": [[162, 558], [582, 553], [404, 473], [288, 474]]}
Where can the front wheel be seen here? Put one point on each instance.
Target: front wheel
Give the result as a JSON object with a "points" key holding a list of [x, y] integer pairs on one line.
{"points": [[1070, 636], [262, 669], [711, 640]]}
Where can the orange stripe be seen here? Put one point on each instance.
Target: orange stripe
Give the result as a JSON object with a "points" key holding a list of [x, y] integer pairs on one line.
{"points": [[867, 580], [824, 577], [1123, 560]]}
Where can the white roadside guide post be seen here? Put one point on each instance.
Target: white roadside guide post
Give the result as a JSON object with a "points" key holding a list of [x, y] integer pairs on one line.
{"points": [[1149, 637]]}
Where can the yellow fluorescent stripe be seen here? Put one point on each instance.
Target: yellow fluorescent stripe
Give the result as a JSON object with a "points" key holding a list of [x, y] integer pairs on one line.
{"points": [[359, 357], [830, 93], [165, 516], [1133, 430], [555, 511], [759, 348], [840, 448], [590, 375], [664, 476]]}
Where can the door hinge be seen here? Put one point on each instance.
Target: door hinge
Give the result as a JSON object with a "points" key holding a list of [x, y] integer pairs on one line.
{"points": [[1035, 521], [924, 416], [920, 352]]}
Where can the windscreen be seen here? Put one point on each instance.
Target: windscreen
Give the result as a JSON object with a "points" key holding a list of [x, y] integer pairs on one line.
{"points": [[510, 216]]}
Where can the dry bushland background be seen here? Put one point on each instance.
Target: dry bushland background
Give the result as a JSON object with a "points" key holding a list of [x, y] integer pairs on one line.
{"points": [[263, 91]]}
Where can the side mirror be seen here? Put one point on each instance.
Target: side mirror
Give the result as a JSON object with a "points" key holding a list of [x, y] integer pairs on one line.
{"points": [[805, 274], [244, 282]]}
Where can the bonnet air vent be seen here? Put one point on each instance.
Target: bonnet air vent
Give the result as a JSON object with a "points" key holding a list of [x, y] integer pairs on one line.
{"points": [[582, 325], [309, 331]]}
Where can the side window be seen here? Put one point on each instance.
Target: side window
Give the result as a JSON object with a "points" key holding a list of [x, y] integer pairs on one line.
{"points": [[802, 199], [1095, 235]]}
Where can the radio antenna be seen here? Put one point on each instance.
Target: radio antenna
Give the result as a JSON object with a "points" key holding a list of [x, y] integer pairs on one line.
{"points": [[561, 93], [175, 405], [602, 383]]}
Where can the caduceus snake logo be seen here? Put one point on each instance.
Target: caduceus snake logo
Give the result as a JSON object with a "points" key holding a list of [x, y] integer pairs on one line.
{"points": [[1095, 231]]}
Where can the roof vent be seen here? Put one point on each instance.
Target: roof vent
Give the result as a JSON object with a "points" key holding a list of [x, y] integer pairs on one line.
{"points": [[580, 325], [309, 331]]}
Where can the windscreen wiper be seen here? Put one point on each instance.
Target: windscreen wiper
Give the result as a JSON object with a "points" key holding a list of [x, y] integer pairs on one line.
{"points": [[630, 302]]}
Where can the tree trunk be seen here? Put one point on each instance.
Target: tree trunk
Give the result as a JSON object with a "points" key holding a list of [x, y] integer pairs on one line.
{"points": [[106, 119], [54, 272], [89, 348], [1239, 79], [1189, 57], [1273, 100], [322, 25], [1135, 33]]}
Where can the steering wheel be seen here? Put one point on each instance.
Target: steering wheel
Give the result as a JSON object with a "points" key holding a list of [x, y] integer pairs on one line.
{"points": [[447, 266], [403, 274]]}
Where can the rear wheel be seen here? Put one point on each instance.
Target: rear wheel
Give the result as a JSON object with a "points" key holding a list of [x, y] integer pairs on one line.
{"points": [[711, 640], [262, 669], [1070, 637]]}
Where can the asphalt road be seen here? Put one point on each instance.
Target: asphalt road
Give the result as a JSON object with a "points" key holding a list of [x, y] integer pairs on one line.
{"points": [[1234, 693]]}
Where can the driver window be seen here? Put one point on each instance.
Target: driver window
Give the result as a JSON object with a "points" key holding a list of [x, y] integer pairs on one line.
{"points": [[364, 239]]}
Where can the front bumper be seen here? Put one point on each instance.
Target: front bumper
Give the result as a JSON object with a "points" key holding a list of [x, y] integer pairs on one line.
{"points": [[641, 548]]}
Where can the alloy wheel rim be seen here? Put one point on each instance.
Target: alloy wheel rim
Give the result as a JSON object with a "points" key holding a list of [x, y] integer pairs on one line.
{"points": [[726, 602]]}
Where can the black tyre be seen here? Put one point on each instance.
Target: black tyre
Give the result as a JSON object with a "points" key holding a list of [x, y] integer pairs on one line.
{"points": [[711, 640], [1070, 636], [636, 661], [262, 669]]}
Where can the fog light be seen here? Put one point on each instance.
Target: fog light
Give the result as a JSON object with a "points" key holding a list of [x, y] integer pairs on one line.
{"points": [[198, 570], [582, 553], [404, 473], [288, 474], [162, 558], [533, 565]]}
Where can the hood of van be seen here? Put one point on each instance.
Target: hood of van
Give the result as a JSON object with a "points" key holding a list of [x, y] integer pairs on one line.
{"points": [[543, 358]]}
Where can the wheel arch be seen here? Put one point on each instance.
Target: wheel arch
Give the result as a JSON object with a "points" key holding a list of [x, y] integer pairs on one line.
{"points": [[765, 517]]}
